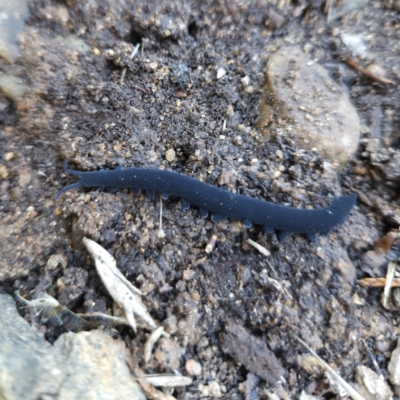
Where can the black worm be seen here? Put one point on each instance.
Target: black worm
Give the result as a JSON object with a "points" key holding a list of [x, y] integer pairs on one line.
{"points": [[221, 203]]}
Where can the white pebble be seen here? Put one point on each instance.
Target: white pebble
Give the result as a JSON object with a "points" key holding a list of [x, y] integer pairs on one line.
{"points": [[220, 72], [276, 174], [170, 155], [245, 81]]}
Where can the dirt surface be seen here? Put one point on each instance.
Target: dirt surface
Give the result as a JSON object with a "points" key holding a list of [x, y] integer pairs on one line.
{"points": [[173, 97]]}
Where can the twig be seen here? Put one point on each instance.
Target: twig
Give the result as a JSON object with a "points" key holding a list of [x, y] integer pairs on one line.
{"points": [[141, 89], [145, 87], [330, 372], [391, 269], [160, 233], [167, 380], [378, 282], [134, 51], [364, 71], [372, 358]]}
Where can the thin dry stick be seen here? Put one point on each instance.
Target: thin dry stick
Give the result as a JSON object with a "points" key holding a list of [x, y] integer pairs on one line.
{"points": [[134, 51], [364, 71], [388, 285], [378, 282], [161, 233], [372, 358], [329, 370]]}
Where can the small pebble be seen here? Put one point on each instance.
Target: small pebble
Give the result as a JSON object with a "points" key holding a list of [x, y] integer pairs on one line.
{"points": [[193, 367], [3, 172], [188, 274], [357, 300], [310, 364], [381, 346], [16, 193], [237, 140], [168, 353], [214, 389], [110, 54], [245, 81], [196, 296], [274, 19], [8, 156], [377, 70], [276, 174], [320, 252], [170, 155], [211, 390], [220, 72], [25, 177], [128, 216], [62, 14], [118, 146]]}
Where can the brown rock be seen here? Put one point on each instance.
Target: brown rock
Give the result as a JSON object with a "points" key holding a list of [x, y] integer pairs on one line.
{"points": [[314, 110]]}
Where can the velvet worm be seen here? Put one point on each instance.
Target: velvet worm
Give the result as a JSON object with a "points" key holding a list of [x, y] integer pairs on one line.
{"points": [[219, 202]]}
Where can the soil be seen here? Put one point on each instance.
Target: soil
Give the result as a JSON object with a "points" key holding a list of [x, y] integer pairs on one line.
{"points": [[77, 109]]}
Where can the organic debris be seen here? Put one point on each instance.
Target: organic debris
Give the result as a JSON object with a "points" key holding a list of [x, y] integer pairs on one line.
{"points": [[49, 308], [120, 289]]}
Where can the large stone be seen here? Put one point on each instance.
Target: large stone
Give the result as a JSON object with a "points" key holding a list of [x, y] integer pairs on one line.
{"points": [[86, 365], [29, 365], [316, 113], [12, 23], [96, 368]]}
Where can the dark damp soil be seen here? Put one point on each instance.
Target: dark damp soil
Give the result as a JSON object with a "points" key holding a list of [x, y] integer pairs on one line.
{"points": [[77, 109]]}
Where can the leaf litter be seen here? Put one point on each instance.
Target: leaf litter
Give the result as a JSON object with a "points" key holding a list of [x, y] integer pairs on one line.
{"points": [[120, 289]]}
